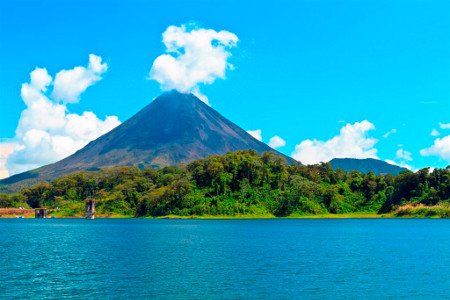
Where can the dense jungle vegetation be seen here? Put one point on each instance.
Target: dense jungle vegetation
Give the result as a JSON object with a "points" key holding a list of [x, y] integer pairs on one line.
{"points": [[241, 183]]}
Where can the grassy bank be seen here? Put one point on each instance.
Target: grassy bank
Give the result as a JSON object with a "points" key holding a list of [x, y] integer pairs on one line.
{"points": [[16, 212], [356, 215], [422, 211], [75, 210]]}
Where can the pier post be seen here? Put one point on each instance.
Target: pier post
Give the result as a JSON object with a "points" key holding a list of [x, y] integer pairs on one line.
{"points": [[89, 208], [41, 213]]}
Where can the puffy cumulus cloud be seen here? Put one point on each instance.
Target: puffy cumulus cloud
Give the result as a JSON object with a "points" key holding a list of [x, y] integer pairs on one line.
{"points": [[193, 56], [276, 142], [5, 150], [257, 134], [387, 134], [403, 155], [353, 141], [46, 131], [39, 80], [434, 132], [70, 84], [440, 148], [444, 125]]}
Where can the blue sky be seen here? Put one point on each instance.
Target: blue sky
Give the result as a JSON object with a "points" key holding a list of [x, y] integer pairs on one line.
{"points": [[302, 69]]}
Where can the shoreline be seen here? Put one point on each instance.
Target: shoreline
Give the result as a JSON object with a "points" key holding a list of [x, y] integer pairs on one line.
{"points": [[322, 216], [242, 217]]}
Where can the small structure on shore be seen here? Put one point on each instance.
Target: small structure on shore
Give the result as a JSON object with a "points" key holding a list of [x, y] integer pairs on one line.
{"points": [[89, 208], [41, 213]]}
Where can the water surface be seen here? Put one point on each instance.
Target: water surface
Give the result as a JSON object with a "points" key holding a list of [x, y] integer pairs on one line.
{"points": [[139, 258]]}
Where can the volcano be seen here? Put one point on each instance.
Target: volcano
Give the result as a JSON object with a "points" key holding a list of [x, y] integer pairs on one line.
{"points": [[366, 165], [174, 128]]}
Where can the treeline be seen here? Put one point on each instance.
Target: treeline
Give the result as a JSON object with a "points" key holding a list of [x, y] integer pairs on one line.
{"points": [[243, 183]]}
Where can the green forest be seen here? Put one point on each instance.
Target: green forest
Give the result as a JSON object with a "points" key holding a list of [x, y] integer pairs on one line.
{"points": [[244, 184]]}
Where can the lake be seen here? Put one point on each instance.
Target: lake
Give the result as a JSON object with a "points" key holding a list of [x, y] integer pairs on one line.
{"points": [[197, 259]]}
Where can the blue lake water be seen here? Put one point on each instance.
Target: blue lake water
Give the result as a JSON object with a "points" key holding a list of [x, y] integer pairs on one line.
{"points": [[197, 259]]}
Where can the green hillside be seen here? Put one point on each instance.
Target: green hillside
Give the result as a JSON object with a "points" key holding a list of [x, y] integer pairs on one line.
{"points": [[241, 183]]}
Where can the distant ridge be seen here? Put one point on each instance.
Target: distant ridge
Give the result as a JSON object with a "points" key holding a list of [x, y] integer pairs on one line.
{"points": [[174, 128], [366, 165]]}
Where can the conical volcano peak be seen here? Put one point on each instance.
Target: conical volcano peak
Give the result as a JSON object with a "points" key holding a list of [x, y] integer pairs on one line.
{"points": [[174, 128], [175, 100], [175, 96]]}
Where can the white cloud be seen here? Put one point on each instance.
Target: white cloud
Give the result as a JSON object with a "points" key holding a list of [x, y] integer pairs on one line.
{"points": [[389, 161], [193, 56], [5, 150], [403, 155], [257, 134], [70, 84], [440, 148], [402, 158], [434, 132], [387, 134], [444, 125], [402, 164], [40, 79], [352, 142], [276, 142], [46, 131]]}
